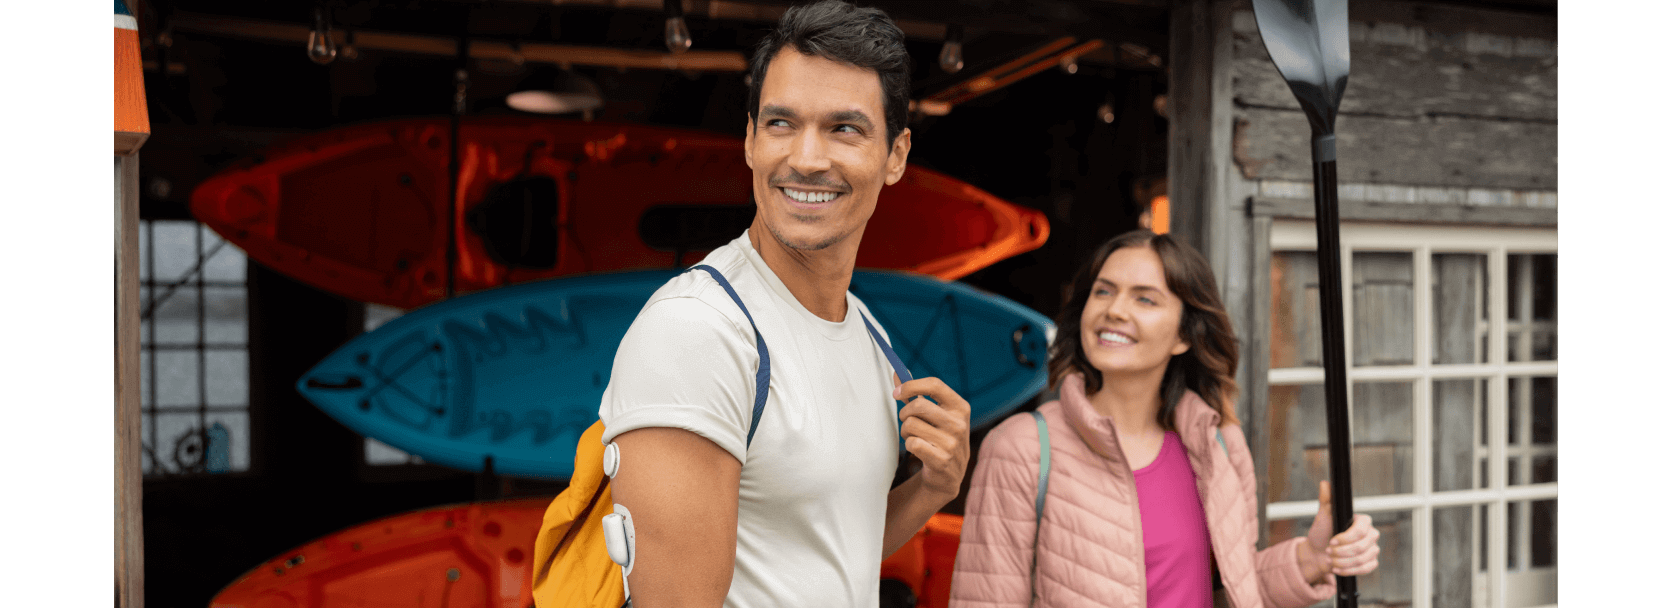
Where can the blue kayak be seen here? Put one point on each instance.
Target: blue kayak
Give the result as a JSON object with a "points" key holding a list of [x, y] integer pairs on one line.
{"points": [[515, 374]]}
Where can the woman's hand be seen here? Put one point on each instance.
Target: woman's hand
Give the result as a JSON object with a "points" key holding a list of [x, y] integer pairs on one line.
{"points": [[1352, 553]]}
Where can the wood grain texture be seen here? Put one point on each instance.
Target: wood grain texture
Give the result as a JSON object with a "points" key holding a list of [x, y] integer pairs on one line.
{"points": [[1428, 102], [1449, 151], [1356, 211], [132, 119], [129, 574]]}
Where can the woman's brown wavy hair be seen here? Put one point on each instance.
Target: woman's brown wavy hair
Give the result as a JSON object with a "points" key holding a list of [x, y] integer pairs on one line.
{"points": [[1208, 367]]}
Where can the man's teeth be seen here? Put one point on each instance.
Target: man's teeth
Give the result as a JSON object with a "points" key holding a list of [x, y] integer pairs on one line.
{"points": [[1109, 336], [810, 197]]}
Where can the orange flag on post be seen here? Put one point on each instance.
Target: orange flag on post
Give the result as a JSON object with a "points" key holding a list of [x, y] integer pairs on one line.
{"points": [[132, 124]]}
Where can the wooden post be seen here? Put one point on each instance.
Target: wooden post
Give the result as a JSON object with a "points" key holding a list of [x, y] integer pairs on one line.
{"points": [[132, 127]]}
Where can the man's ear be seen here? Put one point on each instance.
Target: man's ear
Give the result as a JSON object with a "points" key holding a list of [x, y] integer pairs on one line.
{"points": [[750, 129], [896, 163]]}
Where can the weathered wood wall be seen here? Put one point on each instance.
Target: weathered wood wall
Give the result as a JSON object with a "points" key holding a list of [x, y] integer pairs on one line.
{"points": [[1437, 96]]}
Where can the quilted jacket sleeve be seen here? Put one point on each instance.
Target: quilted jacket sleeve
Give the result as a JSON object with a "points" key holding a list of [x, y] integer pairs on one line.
{"points": [[1278, 567], [996, 543]]}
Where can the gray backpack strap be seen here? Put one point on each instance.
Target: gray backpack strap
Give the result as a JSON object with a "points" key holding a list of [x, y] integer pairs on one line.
{"points": [[1039, 500]]}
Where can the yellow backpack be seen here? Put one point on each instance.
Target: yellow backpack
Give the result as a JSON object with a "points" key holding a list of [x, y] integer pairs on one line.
{"points": [[572, 567]]}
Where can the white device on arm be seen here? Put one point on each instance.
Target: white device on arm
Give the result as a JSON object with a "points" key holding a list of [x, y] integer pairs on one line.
{"points": [[619, 531]]}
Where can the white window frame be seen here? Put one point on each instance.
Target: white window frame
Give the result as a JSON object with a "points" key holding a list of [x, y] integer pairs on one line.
{"points": [[1422, 241]]}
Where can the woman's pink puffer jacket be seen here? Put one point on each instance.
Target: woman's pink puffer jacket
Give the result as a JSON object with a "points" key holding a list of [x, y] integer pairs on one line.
{"points": [[1091, 546]]}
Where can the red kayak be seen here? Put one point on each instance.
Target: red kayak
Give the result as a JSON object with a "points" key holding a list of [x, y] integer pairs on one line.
{"points": [[360, 211], [478, 555]]}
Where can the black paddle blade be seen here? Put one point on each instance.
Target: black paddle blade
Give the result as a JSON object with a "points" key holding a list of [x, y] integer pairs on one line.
{"points": [[1310, 44]]}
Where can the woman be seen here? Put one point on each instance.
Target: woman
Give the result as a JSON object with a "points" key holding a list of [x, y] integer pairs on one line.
{"points": [[1150, 497]]}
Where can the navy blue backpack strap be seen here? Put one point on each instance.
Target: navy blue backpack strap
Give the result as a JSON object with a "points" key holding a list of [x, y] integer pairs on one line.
{"points": [[762, 353], [889, 353]]}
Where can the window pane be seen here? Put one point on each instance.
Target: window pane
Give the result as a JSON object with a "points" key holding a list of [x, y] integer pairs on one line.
{"points": [[144, 253], [174, 248], [227, 442], [145, 380], [227, 377], [1457, 433], [1532, 553], [1455, 543], [378, 453], [176, 378], [375, 315], [1533, 428], [1543, 410], [1296, 332], [226, 310], [1459, 310], [1532, 316], [174, 315], [147, 442], [1383, 428], [1383, 304], [227, 264], [1297, 420], [178, 446], [1390, 584]]}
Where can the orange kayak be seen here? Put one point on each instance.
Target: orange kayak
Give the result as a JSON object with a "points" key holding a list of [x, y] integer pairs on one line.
{"points": [[477, 555], [361, 211]]}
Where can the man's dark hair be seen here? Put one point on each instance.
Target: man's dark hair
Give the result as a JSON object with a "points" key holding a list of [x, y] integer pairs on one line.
{"points": [[837, 30]]}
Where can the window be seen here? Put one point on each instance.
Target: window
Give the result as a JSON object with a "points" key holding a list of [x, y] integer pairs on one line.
{"points": [[1426, 373], [193, 353], [375, 452]]}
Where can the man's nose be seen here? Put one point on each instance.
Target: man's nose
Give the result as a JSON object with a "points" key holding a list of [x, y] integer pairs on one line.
{"points": [[808, 154]]}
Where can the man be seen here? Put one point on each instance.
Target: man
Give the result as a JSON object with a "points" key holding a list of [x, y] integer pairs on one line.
{"points": [[804, 514]]}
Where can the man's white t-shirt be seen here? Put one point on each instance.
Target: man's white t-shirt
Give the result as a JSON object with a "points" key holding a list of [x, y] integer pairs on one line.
{"points": [[814, 482]]}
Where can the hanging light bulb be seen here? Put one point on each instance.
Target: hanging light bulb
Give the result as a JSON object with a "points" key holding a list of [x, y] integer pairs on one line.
{"points": [[1106, 112], [1069, 64], [320, 47], [349, 51], [676, 35], [953, 50]]}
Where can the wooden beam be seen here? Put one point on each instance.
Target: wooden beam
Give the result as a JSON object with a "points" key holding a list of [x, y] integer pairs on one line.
{"points": [[1400, 213], [129, 575], [559, 54], [1049, 55]]}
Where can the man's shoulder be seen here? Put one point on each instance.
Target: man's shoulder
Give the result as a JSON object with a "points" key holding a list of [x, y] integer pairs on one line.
{"points": [[695, 297]]}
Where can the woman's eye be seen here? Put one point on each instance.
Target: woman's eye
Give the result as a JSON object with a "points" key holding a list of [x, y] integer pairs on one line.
{"points": [[1148, 301]]}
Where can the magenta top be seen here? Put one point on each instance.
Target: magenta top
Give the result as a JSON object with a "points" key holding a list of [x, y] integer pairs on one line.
{"points": [[1177, 567]]}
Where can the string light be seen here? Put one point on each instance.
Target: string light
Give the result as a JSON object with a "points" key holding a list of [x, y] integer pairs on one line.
{"points": [[952, 58], [320, 47], [677, 38]]}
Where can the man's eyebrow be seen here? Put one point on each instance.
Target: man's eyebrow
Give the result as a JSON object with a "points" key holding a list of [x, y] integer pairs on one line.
{"points": [[773, 111], [855, 117]]}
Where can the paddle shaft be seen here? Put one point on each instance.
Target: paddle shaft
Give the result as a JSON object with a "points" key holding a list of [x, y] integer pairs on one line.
{"points": [[1326, 195]]}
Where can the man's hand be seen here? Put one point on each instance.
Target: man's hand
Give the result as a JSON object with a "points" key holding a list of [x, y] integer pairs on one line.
{"points": [[939, 433]]}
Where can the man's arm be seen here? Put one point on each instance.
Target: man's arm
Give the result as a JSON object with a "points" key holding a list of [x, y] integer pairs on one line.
{"points": [[682, 491], [939, 435]]}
